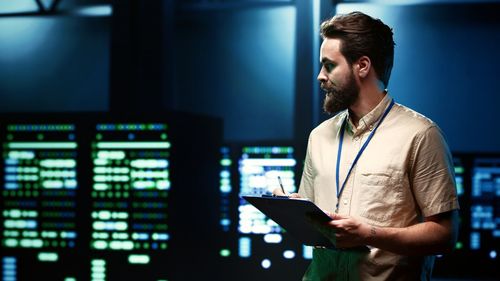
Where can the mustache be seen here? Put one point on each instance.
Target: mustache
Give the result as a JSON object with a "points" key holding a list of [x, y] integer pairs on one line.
{"points": [[327, 86]]}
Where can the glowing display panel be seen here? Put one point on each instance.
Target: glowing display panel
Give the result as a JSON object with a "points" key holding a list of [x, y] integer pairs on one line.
{"points": [[39, 187], [261, 170], [485, 206], [130, 187], [459, 168], [225, 189], [263, 247]]}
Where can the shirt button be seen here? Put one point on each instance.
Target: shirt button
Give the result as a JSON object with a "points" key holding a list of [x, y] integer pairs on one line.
{"points": [[356, 138], [345, 201]]}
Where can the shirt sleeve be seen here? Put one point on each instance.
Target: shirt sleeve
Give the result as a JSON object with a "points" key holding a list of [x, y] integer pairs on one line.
{"points": [[306, 188], [432, 175]]}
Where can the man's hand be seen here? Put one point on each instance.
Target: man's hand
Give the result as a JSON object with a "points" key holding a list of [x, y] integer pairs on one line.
{"points": [[343, 231], [279, 192], [349, 232]]}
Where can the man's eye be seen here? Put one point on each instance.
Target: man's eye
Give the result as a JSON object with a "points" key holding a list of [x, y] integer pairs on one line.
{"points": [[329, 66]]}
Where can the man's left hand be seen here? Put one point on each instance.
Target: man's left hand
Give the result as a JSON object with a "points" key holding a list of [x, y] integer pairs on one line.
{"points": [[349, 232]]}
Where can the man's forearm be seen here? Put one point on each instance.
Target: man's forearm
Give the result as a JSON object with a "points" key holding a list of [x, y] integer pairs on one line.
{"points": [[434, 236]]}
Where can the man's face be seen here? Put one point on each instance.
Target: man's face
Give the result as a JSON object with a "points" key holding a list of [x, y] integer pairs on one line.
{"points": [[336, 78]]}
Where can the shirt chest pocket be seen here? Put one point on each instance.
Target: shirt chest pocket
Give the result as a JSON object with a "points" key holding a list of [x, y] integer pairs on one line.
{"points": [[380, 196]]}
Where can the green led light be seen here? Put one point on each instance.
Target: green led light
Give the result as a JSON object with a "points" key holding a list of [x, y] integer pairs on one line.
{"points": [[109, 170], [100, 245], [459, 170], [30, 234], [111, 178], [52, 184], [103, 215], [459, 245], [98, 276], [11, 233], [43, 127], [150, 174], [133, 145], [58, 163], [268, 150], [58, 174], [21, 154], [114, 155], [121, 245], [143, 184], [48, 257], [42, 145], [98, 262], [138, 259], [31, 243], [10, 243], [225, 252], [101, 162], [69, 279], [49, 234], [119, 236], [101, 186]]}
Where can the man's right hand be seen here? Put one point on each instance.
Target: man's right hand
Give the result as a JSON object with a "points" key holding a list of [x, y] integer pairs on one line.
{"points": [[279, 192]]}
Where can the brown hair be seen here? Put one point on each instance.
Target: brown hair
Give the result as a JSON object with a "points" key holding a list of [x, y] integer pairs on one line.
{"points": [[362, 35]]}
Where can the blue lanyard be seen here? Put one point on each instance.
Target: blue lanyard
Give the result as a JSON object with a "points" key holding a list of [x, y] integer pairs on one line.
{"points": [[342, 129]]}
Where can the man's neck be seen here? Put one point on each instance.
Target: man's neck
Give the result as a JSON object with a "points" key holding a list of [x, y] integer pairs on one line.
{"points": [[366, 102]]}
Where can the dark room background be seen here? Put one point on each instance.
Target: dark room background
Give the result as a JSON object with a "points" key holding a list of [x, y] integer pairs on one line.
{"points": [[251, 65]]}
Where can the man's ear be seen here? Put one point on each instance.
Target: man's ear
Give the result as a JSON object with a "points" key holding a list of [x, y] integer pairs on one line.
{"points": [[362, 66]]}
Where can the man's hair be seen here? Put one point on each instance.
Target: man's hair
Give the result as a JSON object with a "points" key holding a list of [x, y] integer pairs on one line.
{"points": [[362, 35]]}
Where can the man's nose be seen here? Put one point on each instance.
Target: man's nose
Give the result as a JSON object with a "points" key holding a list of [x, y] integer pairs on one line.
{"points": [[321, 76]]}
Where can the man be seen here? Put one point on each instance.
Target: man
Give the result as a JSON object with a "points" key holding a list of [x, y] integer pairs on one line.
{"points": [[382, 171]]}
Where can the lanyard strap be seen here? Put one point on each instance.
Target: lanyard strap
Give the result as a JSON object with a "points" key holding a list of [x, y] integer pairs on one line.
{"points": [[342, 129]]}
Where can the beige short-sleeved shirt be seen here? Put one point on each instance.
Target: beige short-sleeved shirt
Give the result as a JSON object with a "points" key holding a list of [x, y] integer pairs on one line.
{"points": [[404, 175]]}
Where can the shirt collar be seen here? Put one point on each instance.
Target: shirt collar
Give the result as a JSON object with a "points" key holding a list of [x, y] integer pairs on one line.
{"points": [[368, 121]]}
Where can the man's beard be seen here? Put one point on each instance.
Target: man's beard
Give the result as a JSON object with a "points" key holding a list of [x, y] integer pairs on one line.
{"points": [[341, 97]]}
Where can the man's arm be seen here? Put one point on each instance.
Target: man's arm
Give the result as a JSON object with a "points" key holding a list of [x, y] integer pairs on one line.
{"points": [[436, 235]]}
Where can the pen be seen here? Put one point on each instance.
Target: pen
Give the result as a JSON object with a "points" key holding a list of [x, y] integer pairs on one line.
{"points": [[281, 185]]}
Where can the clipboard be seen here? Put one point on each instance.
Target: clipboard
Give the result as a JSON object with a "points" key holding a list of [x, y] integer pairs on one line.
{"points": [[294, 216]]}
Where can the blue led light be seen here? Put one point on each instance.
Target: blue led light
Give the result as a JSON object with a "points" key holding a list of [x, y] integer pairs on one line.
{"points": [[244, 247], [266, 263], [493, 254], [225, 222]]}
